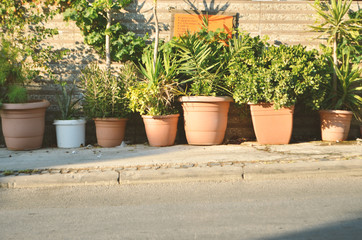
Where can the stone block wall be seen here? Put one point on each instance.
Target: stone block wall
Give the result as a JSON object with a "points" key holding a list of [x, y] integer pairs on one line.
{"points": [[283, 21]]}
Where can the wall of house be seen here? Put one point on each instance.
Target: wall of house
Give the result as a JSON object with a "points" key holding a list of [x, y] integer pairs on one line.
{"points": [[283, 21]]}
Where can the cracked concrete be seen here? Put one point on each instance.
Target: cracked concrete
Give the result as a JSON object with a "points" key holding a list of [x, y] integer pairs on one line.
{"points": [[141, 163]]}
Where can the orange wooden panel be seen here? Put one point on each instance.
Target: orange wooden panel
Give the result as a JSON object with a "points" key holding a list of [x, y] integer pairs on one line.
{"points": [[193, 23]]}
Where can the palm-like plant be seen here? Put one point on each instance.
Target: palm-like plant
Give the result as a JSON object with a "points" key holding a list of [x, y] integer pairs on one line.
{"points": [[336, 25], [204, 56], [66, 101], [344, 92], [154, 94], [349, 87]]}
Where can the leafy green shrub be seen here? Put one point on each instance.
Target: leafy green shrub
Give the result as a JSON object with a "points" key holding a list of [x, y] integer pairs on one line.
{"points": [[354, 41], [23, 55], [22, 28], [104, 93], [245, 54], [246, 49], [91, 18], [280, 75]]}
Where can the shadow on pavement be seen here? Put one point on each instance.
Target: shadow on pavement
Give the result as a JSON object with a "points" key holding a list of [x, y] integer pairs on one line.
{"points": [[346, 230]]}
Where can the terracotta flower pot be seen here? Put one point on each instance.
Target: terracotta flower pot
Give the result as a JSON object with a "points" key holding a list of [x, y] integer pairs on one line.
{"points": [[161, 130], [272, 126], [110, 131], [335, 124], [23, 124], [205, 119]]}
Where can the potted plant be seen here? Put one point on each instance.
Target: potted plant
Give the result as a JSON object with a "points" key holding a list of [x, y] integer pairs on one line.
{"points": [[343, 91], [23, 121], [23, 56], [271, 80], [335, 124], [105, 101], [203, 58], [153, 97], [70, 131]]}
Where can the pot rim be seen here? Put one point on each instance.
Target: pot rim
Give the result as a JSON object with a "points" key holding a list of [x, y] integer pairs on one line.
{"points": [[270, 105], [69, 122], [28, 105], [110, 119], [205, 99], [161, 116], [347, 112], [264, 103]]}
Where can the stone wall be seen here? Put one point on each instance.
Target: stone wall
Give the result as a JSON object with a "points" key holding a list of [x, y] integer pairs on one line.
{"points": [[283, 21]]}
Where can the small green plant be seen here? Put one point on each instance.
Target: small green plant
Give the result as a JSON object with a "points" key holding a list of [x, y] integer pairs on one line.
{"points": [[27, 171], [8, 173], [12, 89], [65, 100], [104, 94], [154, 94]]}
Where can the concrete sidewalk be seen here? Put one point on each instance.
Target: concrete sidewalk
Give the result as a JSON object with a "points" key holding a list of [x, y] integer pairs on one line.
{"points": [[144, 164]]}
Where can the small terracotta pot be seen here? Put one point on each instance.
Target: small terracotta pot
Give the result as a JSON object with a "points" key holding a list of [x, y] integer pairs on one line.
{"points": [[205, 119], [272, 126], [161, 130], [23, 124], [110, 131], [335, 124]]}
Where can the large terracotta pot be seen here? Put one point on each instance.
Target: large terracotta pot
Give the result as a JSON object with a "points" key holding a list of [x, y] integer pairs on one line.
{"points": [[110, 131], [161, 130], [272, 126], [205, 119], [335, 124], [23, 124]]}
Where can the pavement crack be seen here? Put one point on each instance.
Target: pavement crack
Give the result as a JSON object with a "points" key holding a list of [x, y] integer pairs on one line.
{"points": [[243, 172], [119, 177], [332, 155]]}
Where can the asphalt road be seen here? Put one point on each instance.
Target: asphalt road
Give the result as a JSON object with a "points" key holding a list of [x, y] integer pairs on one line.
{"points": [[281, 209]]}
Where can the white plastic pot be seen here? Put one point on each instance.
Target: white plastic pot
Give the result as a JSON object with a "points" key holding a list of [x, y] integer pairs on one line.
{"points": [[70, 133]]}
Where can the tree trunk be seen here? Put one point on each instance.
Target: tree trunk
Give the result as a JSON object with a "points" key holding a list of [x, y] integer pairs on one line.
{"points": [[156, 35], [335, 65], [108, 48]]}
